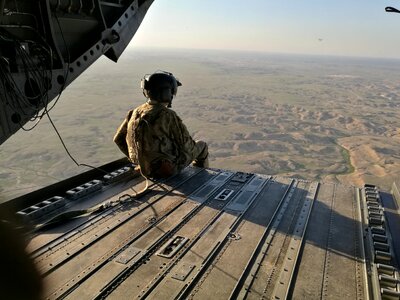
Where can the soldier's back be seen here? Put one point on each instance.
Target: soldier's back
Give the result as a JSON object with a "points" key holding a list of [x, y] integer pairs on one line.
{"points": [[151, 137]]}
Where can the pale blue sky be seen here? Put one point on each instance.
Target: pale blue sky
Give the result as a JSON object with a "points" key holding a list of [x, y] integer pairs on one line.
{"points": [[347, 27]]}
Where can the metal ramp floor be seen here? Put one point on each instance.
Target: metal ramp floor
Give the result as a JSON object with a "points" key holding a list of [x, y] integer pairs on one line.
{"points": [[214, 234]]}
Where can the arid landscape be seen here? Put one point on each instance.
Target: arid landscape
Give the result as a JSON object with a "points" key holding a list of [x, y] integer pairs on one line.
{"points": [[320, 118]]}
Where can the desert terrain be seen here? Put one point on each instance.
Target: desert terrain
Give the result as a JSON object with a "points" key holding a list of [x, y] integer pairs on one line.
{"points": [[322, 118]]}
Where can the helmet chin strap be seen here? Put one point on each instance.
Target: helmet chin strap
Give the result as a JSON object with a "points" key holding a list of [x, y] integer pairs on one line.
{"points": [[170, 102]]}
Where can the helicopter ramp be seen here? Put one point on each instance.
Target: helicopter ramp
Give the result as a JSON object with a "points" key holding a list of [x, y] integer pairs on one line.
{"points": [[215, 234]]}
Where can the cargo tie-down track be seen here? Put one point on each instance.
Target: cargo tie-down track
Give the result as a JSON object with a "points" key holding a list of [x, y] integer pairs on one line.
{"points": [[215, 234]]}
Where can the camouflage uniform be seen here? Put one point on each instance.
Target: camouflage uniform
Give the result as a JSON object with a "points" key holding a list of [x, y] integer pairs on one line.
{"points": [[152, 135]]}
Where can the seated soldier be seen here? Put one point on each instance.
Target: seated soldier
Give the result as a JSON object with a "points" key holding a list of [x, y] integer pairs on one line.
{"points": [[154, 137]]}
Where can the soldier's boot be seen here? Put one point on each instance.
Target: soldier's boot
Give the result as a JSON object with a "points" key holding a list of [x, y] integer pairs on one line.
{"points": [[201, 163]]}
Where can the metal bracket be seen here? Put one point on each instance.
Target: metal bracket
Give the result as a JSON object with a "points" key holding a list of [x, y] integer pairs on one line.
{"points": [[234, 236], [392, 9], [247, 194], [183, 272], [206, 190], [172, 246], [241, 177], [224, 194], [127, 255]]}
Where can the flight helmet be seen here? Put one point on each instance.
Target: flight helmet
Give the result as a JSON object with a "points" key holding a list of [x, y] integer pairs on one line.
{"points": [[160, 86]]}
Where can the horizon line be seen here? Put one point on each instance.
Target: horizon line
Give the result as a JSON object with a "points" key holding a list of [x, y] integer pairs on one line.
{"points": [[265, 52]]}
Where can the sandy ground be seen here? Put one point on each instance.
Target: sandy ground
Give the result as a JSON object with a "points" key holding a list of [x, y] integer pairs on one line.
{"points": [[374, 160], [317, 118]]}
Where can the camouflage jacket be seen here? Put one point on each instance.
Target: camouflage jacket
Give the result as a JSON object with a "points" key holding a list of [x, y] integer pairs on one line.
{"points": [[153, 132]]}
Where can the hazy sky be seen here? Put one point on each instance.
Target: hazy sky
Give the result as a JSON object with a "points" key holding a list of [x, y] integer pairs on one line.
{"points": [[346, 27]]}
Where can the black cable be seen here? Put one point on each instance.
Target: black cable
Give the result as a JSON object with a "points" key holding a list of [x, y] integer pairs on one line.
{"points": [[62, 88], [39, 72], [39, 76], [66, 148], [36, 72], [59, 95], [66, 74], [61, 139]]}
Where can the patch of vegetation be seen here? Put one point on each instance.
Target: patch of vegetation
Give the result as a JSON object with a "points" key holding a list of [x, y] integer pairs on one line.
{"points": [[300, 166], [346, 157]]}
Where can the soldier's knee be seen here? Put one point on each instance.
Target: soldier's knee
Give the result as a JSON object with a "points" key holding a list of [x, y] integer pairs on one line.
{"points": [[203, 146], [201, 156]]}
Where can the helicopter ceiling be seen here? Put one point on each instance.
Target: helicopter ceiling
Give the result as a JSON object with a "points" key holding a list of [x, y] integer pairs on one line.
{"points": [[45, 45]]}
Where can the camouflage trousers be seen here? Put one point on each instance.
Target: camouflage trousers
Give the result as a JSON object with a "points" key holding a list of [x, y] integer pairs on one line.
{"points": [[200, 155]]}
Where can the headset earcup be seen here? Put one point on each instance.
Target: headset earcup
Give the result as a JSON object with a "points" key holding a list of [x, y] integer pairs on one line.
{"points": [[144, 84]]}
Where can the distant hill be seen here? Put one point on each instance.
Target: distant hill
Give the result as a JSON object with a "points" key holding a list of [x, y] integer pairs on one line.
{"points": [[320, 118]]}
